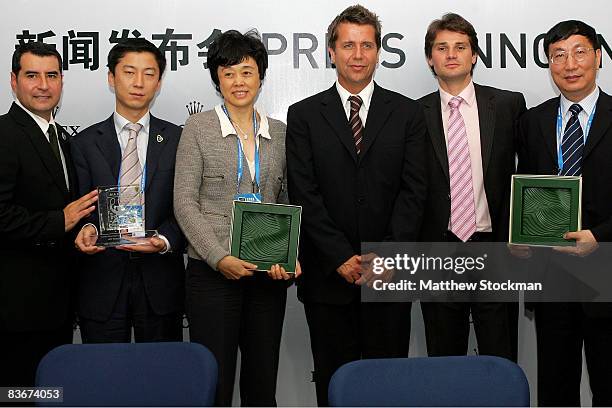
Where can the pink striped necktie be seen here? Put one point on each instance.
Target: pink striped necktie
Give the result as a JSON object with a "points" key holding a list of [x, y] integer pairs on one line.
{"points": [[131, 171], [463, 210]]}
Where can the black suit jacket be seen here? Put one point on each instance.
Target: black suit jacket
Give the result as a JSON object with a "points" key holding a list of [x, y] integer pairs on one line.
{"points": [[348, 199], [36, 254], [97, 158], [538, 155], [498, 114]]}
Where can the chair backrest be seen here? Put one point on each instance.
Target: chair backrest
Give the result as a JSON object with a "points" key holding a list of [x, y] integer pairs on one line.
{"points": [[123, 374], [430, 381]]}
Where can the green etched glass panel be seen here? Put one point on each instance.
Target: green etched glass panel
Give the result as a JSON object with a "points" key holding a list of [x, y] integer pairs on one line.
{"points": [[546, 211], [265, 237]]}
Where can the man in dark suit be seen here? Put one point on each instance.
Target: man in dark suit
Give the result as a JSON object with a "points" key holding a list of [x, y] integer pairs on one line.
{"points": [[355, 161], [138, 286], [37, 186], [572, 135], [475, 210]]}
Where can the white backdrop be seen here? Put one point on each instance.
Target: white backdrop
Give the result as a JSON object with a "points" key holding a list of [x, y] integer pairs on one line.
{"points": [[81, 30]]}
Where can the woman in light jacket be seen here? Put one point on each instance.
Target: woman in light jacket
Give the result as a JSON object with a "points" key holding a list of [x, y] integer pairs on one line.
{"points": [[231, 151]]}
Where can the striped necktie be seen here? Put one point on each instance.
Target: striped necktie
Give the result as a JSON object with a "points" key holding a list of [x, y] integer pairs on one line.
{"points": [[463, 209], [572, 144], [131, 171], [355, 121]]}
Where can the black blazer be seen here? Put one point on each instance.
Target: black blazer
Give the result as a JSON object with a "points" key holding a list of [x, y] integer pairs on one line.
{"points": [[538, 155], [36, 254], [348, 199], [498, 114], [97, 158]]}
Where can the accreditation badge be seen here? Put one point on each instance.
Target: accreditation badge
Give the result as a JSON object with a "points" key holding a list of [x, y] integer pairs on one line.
{"points": [[248, 197]]}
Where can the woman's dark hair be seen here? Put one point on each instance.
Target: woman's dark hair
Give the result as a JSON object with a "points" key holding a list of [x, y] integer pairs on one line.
{"points": [[231, 48]]}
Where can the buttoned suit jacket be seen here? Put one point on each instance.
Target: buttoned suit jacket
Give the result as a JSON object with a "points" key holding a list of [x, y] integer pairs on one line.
{"points": [[36, 254], [97, 158], [498, 115], [538, 155], [347, 198]]}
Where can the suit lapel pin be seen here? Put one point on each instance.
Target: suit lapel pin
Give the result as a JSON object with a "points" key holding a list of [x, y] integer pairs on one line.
{"points": [[160, 139], [63, 136]]}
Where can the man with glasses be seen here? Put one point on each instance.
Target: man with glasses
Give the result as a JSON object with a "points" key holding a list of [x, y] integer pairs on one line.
{"points": [[572, 135]]}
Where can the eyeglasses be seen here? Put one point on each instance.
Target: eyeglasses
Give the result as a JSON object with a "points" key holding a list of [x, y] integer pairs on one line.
{"points": [[560, 57]]}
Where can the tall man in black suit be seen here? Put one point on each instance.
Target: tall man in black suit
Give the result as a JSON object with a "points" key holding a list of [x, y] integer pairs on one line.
{"points": [[37, 186], [582, 112], [137, 286], [355, 161], [489, 118]]}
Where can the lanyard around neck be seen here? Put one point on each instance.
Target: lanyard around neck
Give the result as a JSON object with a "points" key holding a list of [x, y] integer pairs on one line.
{"points": [[240, 166], [560, 133]]}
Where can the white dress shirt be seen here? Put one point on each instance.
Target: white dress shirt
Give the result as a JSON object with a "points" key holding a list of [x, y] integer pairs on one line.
{"points": [[366, 97], [227, 129], [469, 112], [588, 106], [142, 141]]}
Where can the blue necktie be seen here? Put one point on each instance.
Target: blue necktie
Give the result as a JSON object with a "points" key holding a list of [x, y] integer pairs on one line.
{"points": [[572, 145]]}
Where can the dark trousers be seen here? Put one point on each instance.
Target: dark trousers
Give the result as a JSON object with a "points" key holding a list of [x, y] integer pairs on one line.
{"points": [[447, 325], [132, 309], [225, 315], [562, 329], [447, 328], [21, 352], [343, 333]]}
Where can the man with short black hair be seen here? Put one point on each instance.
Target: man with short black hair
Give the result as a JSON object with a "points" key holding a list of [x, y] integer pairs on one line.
{"points": [[139, 286], [572, 135], [37, 214]]}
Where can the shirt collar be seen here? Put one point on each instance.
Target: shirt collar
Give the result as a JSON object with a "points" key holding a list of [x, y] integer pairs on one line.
{"points": [[41, 122], [120, 122], [587, 104], [228, 129], [365, 94], [468, 95]]}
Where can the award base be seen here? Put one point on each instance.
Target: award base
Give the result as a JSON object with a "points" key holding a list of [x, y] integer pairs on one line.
{"points": [[125, 238]]}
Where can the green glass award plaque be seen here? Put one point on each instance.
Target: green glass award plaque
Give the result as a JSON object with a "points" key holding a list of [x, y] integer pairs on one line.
{"points": [[266, 234], [543, 208]]}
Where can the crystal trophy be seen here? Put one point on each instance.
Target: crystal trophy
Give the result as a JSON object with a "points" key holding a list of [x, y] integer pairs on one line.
{"points": [[122, 217]]}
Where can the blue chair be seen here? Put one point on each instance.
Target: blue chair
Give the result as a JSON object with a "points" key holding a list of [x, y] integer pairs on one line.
{"points": [[124, 374], [461, 381]]}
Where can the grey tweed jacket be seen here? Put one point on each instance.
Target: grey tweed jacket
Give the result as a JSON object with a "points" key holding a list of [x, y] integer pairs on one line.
{"points": [[205, 182]]}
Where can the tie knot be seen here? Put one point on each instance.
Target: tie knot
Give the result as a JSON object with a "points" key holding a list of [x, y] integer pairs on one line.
{"points": [[133, 128], [356, 102], [575, 109], [455, 102]]}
